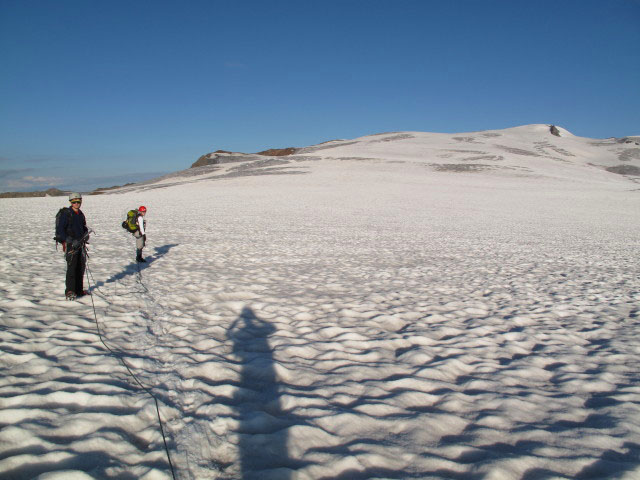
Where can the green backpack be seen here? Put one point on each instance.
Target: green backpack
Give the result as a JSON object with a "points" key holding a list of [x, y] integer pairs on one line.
{"points": [[131, 223]]}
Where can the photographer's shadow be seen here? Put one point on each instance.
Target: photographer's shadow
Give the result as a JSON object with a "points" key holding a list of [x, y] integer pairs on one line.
{"points": [[263, 426], [136, 267]]}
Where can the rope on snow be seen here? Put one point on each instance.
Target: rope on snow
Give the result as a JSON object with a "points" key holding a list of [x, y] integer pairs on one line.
{"points": [[119, 357]]}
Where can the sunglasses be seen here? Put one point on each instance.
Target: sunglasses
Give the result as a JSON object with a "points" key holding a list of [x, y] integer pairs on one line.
{"points": [[76, 201]]}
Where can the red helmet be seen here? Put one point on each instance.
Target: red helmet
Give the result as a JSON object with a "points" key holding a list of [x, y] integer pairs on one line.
{"points": [[142, 208]]}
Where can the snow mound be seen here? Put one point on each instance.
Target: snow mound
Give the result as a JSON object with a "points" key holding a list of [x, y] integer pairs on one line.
{"points": [[535, 152]]}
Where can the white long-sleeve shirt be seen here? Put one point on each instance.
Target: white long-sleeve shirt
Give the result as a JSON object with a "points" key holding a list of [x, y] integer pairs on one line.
{"points": [[141, 224]]}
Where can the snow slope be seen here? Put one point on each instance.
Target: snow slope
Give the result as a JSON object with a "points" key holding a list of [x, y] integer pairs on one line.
{"points": [[352, 312], [527, 151]]}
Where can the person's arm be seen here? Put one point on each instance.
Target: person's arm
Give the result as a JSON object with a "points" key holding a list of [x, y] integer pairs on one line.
{"points": [[141, 224]]}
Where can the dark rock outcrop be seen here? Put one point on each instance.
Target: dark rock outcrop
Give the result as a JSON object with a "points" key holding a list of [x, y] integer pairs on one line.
{"points": [[208, 159], [628, 140], [213, 158], [625, 170], [554, 130], [279, 152], [223, 156]]}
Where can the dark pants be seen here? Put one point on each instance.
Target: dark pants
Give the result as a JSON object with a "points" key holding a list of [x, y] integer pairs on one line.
{"points": [[75, 270]]}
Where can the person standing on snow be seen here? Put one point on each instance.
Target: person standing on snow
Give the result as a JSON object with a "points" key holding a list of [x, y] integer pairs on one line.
{"points": [[73, 229], [140, 233]]}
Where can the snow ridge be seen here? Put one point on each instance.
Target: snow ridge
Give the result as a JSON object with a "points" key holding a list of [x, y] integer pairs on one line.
{"points": [[531, 151]]}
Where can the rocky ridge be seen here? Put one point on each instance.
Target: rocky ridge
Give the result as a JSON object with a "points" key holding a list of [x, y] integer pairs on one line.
{"points": [[222, 156]]}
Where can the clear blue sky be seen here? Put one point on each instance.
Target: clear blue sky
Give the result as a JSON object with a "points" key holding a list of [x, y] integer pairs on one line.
{"points": [[94, 93]]}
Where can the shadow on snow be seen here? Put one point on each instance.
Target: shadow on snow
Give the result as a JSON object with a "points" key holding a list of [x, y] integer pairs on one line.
{"points": [[134, 268], [263, 426]]}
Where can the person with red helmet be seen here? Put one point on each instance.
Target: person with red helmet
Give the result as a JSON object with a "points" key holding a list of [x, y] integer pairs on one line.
{"points": [[140, 233]]}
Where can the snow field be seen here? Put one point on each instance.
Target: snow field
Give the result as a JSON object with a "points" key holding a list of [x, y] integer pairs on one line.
{"points": [[357, 322]]}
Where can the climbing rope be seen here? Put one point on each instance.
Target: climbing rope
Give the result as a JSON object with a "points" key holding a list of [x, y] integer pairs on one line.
{"points": [[119, 357]]}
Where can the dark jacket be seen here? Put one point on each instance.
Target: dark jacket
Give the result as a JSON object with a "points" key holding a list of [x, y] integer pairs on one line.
{"points": [[72, 226]]}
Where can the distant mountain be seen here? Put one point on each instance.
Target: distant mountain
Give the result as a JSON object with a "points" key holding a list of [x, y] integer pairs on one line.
{"points": [[533, 151], [52, 192]]}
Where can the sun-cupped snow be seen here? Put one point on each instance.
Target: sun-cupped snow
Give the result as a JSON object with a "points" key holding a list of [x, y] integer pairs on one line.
{"points": [[404, 305]]}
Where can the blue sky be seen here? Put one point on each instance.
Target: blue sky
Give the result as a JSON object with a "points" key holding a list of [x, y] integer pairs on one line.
{"points": [[96, 93]]}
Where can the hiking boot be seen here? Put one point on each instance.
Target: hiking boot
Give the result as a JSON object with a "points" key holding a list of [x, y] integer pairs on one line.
{"points": [[71, 295], [82, 293]]}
